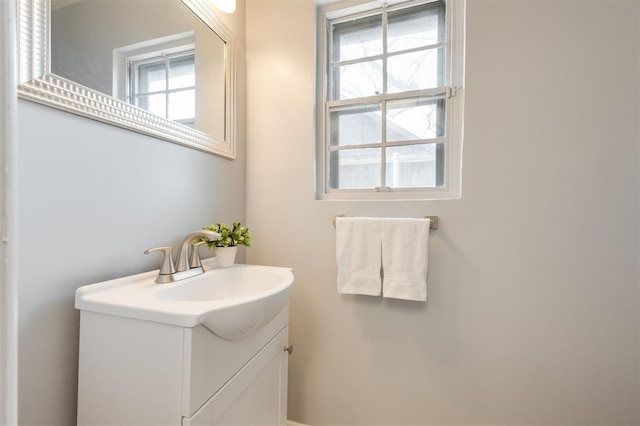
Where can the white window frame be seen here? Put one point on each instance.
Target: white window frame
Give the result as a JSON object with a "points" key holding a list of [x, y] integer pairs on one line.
{"points": [[453, 93]]}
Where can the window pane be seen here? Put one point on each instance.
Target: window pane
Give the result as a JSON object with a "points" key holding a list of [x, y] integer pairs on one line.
{"points": [[416, 70], [415, 27], [359, 39], [155, 104], [182, 105], [151, 77], [414, 166], [357, 80], [182, 72], [355, 125], [355, 168], [415, 118]]}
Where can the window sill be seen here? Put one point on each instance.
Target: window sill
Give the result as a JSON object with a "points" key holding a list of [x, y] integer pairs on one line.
{"points": [[395, 195]]}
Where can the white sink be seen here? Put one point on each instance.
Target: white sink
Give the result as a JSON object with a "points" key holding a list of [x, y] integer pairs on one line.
{"points": [[231, 302]]}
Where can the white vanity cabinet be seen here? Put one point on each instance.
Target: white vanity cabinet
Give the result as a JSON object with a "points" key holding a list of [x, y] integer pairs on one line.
{"points": [[137, 372]]}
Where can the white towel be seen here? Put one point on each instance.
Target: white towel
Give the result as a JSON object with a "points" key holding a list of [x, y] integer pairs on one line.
{"points": [[405, 258], [358, 254]]}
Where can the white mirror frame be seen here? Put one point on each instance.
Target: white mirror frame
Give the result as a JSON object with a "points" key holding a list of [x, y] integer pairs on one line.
{"points": [[37, 84]]}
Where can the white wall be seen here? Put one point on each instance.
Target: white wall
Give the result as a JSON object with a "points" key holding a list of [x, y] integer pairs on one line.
{"points": [[92, 198], [8, 218], [532, 315]]}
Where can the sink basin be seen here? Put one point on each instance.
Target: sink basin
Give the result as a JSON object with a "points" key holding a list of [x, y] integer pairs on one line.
{"points": [[231, 302]]}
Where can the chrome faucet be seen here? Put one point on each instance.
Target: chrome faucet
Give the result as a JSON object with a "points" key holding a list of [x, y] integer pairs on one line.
{"points": [[186, 249], [188, 258]]}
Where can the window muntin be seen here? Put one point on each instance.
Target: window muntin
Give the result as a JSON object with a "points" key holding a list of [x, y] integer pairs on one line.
{"points": [[388, 89]]}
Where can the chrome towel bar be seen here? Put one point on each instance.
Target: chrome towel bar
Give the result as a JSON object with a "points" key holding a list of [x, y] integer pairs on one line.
{"points": [[433, 226]]}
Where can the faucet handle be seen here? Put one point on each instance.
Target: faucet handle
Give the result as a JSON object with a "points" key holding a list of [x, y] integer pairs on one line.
{"points": [[194, 259], [167, 266]]}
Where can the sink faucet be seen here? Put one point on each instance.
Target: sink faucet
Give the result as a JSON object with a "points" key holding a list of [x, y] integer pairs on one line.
{"points": [[188, 258], [185, 249]]}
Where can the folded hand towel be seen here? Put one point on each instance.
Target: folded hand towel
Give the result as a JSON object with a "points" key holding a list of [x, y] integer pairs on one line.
{"points": [[358, 254], [405, 255]]}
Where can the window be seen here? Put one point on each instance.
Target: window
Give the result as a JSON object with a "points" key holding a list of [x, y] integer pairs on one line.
{"points": [[159, 76], [164, 85], [391, 100]]}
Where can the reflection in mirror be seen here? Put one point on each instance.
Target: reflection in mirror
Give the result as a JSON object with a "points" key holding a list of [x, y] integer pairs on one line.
{"points": [[161, 58], [153, 66]]}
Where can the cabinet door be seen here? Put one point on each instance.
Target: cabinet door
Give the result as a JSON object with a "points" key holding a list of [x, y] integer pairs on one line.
{"points": [[211, 361], [256, 395]]}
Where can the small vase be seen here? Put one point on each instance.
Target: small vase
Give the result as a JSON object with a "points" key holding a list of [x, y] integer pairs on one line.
{"points": [[226, 256]]}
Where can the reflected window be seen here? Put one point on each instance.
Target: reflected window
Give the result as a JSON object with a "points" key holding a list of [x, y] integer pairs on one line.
{"points": [[164, 85], [159, 76]]}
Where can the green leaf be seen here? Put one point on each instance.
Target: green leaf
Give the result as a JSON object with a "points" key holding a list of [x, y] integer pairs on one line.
{"points": [[236, 235]]}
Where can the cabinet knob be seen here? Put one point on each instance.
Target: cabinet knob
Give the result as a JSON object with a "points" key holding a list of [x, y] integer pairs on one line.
{"points": [[289, 349]]}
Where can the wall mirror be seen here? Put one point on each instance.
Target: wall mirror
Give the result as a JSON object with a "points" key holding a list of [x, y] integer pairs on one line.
{"points": [[165, 68]]}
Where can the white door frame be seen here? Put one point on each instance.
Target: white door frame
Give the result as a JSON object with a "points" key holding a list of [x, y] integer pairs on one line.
{"points": [[8, 216]]}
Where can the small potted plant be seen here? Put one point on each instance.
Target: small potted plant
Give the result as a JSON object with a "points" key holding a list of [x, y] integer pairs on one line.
{"points": [[230, 238]]}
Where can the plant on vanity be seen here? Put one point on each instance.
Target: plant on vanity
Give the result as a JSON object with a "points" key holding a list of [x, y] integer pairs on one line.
{"points": [[230, 239]]}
